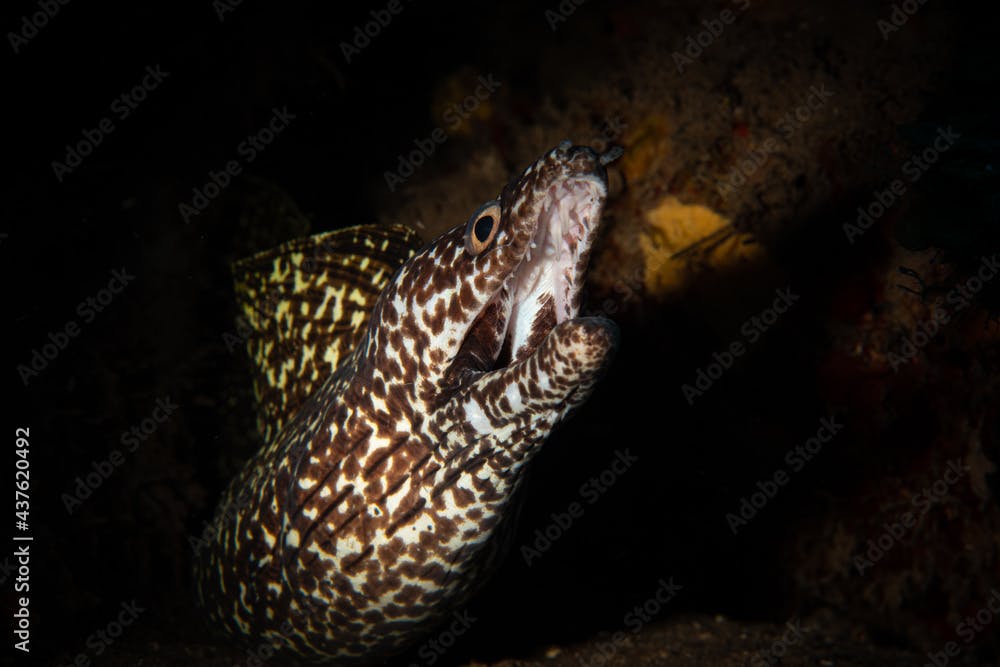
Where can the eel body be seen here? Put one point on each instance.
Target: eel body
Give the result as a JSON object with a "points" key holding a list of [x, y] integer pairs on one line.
{"points": [[401, 391]]}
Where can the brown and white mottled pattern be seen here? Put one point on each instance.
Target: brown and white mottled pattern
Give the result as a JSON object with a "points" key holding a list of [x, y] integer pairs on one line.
{"points": [[307, 305], [381, 499]]}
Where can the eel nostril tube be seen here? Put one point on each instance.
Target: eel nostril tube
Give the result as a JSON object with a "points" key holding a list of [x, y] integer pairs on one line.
{"points": [[610, 155]]}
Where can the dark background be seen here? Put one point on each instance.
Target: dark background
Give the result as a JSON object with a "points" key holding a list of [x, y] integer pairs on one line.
{"points": [[165, 334]]}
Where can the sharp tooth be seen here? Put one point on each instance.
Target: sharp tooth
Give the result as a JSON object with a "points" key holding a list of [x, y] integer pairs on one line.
{"points": [[534, 245]]}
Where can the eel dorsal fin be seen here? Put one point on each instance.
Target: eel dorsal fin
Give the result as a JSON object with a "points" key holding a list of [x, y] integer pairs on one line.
{"points": [[307, 304]]}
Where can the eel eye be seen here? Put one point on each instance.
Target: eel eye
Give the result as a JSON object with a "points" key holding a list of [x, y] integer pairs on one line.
{"points": [[482, 228]]}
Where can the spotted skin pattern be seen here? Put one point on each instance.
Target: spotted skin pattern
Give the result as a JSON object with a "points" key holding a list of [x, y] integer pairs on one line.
{"points": [[306, 304], [382, 499]]}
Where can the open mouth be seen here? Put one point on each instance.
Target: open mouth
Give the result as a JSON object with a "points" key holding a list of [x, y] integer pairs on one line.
{"points": [[543, 289]]}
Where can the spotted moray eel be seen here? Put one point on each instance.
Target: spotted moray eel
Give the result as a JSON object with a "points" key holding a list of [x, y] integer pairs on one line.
{"points": [[401, 393]]}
